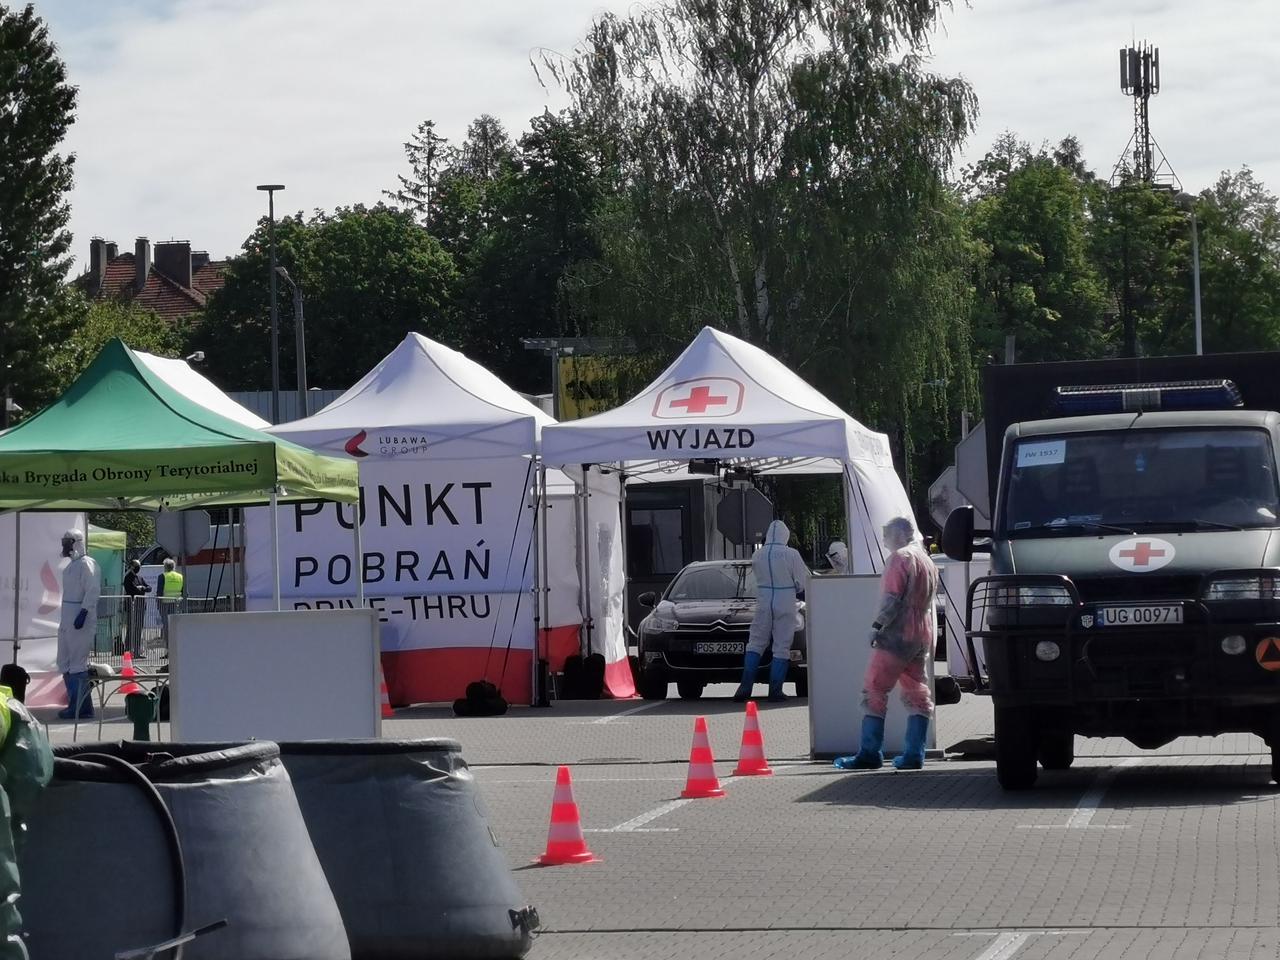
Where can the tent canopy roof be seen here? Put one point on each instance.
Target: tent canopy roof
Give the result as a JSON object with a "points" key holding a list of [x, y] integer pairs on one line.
{"points": [[424, 400], [194, 386], [721, 399], [122, 438]]}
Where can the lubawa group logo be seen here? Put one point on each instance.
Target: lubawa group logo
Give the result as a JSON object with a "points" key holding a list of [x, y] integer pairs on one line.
{"points": [[701, 398], [352, 446]]}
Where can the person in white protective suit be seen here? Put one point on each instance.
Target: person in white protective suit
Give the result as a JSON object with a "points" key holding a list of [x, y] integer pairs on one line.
{"points": [[903, 635], [780, 578], [81, 584], [838, 557]]}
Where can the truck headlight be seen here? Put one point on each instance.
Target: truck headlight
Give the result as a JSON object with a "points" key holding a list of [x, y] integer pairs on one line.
{"points": [[1046, 595], [1262, 586], [1048, 651], [1233, 645]]}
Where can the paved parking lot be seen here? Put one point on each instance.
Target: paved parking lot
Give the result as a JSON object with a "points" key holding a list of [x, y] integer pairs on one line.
{"points": [[1164, 854]]}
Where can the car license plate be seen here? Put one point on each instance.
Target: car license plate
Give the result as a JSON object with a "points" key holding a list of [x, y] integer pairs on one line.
{"points": [[1140, 615], [719, 646]]}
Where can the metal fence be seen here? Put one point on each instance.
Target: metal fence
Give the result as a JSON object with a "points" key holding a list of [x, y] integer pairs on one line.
{"points": [[139, 625]]}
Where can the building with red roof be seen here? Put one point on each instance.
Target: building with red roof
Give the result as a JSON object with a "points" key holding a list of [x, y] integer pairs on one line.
{"points": [[175, 282]]}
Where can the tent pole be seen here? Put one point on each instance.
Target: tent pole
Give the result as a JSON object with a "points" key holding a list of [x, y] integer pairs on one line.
{"points": [[536, 532], [585, 536], [358, 562], [17, 574], [275, 548], [544, 591], [626, 583]]}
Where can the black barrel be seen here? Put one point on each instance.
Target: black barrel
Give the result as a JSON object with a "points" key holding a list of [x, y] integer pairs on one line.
{"points": [[99, 869], [405, 842]]}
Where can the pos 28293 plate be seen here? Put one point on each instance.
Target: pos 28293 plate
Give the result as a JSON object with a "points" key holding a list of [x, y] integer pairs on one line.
{"points": [[719, 646]]}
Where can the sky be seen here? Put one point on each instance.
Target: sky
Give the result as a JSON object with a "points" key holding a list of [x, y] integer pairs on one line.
{"points": [[186, 105]]}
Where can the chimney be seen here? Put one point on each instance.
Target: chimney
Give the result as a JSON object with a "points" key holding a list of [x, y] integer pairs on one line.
{"points": [[173, 259], [97, 264], [199, 258], [113, 250], [141, 262]]}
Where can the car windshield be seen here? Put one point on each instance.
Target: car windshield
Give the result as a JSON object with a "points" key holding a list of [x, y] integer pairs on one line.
{"points": [[1132, 480], [729, 581]]}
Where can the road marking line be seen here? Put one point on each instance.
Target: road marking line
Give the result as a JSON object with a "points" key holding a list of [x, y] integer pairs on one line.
{"points": [[633, 825], [1089, 803], [1005, 946], [616, 830], [626, 713]]}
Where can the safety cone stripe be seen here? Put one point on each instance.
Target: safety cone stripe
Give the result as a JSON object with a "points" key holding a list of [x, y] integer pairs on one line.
{"points": [[751, 758], [565, 842]]}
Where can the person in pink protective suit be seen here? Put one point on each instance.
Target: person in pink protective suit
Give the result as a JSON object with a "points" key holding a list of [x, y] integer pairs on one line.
{"points": [[902, 637]]}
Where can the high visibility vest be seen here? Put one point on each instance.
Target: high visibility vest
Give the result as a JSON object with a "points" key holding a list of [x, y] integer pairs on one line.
{"points": [[6, 694], [172, 585]]}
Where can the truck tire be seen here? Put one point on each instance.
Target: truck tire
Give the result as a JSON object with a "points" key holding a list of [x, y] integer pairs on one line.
{"points": [[1057, 750], [652, 685], [1015, 749], [689, 689]]}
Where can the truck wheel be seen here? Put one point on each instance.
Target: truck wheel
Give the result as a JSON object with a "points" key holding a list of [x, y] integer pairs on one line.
{"points": [[652, 685], [1057, 750], [689, 689], [1015, 749]]}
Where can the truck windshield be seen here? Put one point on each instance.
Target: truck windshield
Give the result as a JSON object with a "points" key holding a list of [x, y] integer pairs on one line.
{"points": [[1125, 481]]}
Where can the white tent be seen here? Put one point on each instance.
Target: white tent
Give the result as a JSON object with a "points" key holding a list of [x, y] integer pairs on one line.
{"points": [[724, 399], [198, 388], [450, 494]]}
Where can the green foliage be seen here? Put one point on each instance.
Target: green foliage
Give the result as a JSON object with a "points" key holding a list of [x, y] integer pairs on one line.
{"points": [[140, 527], [101, 320], [369, 275], [1029, 217], [37, 107]]}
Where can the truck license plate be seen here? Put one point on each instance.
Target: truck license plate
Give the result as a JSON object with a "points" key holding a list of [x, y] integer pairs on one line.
{"points": [[719, 646], [1140, 615]]}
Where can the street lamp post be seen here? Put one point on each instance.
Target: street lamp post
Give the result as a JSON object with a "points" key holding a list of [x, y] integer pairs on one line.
{"points": [[270, 189], [299, 342]]}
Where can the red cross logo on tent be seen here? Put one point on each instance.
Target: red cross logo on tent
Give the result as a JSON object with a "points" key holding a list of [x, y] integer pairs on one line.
{"points": [[1142, 554], [701, 398]]}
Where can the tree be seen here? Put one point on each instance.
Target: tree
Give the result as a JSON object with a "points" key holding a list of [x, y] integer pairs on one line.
{"points": [[1035, 279], [369, 275], [100, 320], [1240, 263], [426, 153], [37, 107]]}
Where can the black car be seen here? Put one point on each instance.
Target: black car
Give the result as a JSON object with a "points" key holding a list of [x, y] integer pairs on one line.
{"points": [[697, 632]]}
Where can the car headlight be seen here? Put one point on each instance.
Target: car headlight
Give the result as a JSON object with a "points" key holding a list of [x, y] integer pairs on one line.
{"points": [[663, 620], [1233, 645], [1262, 586], [1047, 595], [1048, 651]]}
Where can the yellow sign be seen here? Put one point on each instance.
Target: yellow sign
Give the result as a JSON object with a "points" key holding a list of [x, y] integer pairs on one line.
{"points": [[1268, 654], [591, 385]]}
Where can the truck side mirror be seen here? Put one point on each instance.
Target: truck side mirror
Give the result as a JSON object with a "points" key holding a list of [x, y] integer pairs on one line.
{"points": [[957, 535], [648, 599]]}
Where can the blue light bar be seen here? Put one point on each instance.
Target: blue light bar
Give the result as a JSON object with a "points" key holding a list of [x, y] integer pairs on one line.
{"points": [[1137, 397]]}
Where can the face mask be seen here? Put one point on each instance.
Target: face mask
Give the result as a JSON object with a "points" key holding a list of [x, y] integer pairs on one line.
{"points": [[72, 549]]}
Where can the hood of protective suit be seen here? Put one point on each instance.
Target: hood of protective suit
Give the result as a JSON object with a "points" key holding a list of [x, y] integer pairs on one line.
{"points": [[75, 539], [777, 533]]}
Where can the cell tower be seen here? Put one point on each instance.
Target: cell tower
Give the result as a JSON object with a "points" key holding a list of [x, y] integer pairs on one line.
{"points": [[1142, 158]]}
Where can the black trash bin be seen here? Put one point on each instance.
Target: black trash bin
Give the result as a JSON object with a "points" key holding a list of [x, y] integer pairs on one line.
{"points": [[405, 842], [98, 869]]}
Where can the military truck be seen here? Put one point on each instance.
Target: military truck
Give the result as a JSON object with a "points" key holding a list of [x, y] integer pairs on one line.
{"points": [[1135, 555]]}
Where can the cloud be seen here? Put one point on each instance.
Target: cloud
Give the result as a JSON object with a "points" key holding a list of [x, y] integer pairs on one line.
{"points": [[185, 105]]}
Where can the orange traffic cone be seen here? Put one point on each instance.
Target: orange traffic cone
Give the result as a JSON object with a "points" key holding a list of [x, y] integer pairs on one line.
{"points": [[702, 780], [751, 761], [565, 843], [386, 698], [127, 671]]}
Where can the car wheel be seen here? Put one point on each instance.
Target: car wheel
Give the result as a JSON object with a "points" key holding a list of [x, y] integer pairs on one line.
{"points": [[1057, 750], [1015, 749], [690, 689], [802, 685], [652, 685]]}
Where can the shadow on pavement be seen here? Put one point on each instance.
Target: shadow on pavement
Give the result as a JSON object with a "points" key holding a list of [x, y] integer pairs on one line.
{"points": [[944, 787]]}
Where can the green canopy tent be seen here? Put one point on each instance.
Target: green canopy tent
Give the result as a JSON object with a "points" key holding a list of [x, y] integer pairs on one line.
{"points": [[121, 438]]}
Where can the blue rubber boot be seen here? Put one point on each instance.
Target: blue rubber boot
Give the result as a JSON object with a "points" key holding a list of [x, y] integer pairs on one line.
{"points": [[868, 756], [912, 756], [72, 690], [750, 665], [84, 695], [777, 675]]}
